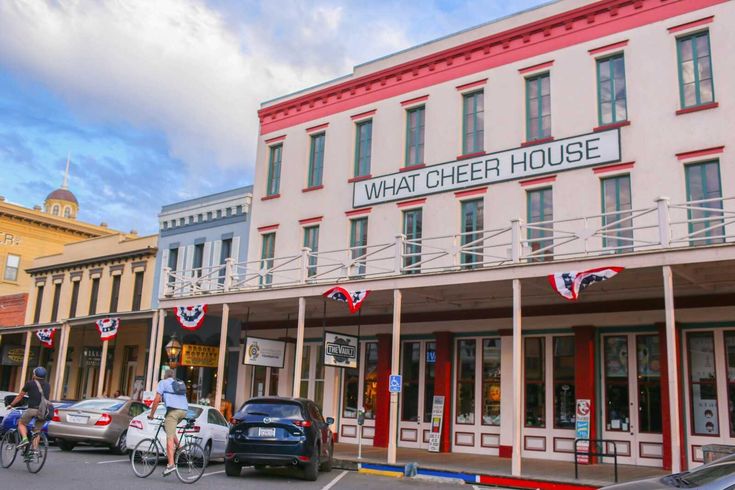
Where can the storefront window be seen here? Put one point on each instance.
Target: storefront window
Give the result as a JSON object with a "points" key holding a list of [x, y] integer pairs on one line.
{"points": [[730, 353], [648, 353], [370, 390], [703, 383], [466, 382], [258, 386], [617, 411], [349, 395], [491, 382], [564, 395], [429, 379], [273, 382], [535, 386], [410, 373]]}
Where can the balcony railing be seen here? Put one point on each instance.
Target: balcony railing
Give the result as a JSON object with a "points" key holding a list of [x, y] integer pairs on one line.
{"points": [[660, 227]]}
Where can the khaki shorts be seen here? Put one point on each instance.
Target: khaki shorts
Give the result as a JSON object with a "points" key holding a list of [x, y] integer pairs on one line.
{"points": [[171, 420], [28, 414]]}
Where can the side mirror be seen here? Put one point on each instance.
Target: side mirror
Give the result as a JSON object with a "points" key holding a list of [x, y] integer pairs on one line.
{"points": [[330, 420]]}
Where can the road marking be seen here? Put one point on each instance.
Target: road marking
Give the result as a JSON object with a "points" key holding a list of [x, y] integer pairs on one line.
{"points": [[214, 473], [114, 461], [334, 482]]}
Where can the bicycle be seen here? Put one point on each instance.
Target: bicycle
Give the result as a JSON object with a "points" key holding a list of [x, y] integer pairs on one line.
{"points": [[34, 457], [189, 456]]}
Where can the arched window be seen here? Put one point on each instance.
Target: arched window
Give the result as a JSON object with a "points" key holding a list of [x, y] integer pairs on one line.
{"points": [[67, 212], [55, 210]]}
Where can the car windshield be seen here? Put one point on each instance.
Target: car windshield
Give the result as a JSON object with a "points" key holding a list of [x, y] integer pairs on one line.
{"points": [[277, 410], [706, 474], [104, 405], [192, 413]]}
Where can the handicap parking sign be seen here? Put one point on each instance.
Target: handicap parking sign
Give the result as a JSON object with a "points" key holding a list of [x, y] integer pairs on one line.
{"points": [[394, 384]]}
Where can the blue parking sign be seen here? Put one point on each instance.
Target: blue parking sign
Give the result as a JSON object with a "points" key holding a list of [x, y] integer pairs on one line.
{"points": [[394, 384]]}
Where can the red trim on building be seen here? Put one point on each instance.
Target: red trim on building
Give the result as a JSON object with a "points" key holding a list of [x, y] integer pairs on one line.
{"points": [[412, 202], [363, 115], [510, 482], [358, 212], [687, 155], [471, 155], [608, 47], [415, 100], [692, 24], [475, 84], [317, 128], [277, 139], [613, 168], [537, 67], [537, 142], [382, 398], [272, 196], [584, 372], [264, 229], [471, 192], [443, 384], [702, 107], [412, 167], [540, 180], [315, 188], [586, 23], [616, 125], [308, 221], [359, 178]]}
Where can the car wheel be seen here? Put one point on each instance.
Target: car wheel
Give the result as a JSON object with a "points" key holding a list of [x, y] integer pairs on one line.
{"points": [[232, 468], [65, 445], [327, 465], [311, 470], [121, 447]]}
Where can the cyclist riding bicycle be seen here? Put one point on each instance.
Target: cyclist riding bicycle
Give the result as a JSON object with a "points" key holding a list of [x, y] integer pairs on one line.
{"points": [[32, 388], [173, 393]]}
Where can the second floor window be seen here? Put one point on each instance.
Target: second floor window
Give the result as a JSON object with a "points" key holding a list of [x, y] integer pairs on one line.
{"points": [[696, 86], [173, 259], [74, 299], [274, 170], [39, 303], [267, 254], [415, 136], [704, 193], [538, 107], [473, 122], [198, 260], [611, 93], [55, 304], [115, 296], [412, 229], [12, 265], [540, 227], [616, 217], [358, 245], [316, 160], [138, 291], [473, 223], [94, 295], [363, 147], [311, 241]]}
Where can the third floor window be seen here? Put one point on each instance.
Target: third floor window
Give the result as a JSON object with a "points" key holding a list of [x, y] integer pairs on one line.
{"points": [[316, 160], [473, 122], [415, 136], [274, 170], [363, 147], [696, 86], [611, 93], [538, 107]]}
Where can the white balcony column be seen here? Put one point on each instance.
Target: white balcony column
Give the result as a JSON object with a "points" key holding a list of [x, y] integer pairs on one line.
{"points": [[394, 369], [58, 392], [672, 369], [517, 380], [151, 352], [664, 221], [158, 347], [26, 356], [103, 369], [221, 358], [299, 354]]}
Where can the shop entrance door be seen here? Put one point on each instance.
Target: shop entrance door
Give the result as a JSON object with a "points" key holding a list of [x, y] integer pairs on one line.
{"points": [[417, 393], [360, 390], [264, 381], [632, 397]]}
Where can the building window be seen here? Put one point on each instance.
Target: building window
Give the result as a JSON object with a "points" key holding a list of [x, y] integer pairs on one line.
{"points": [[173, 259], [182, 221], [200, 218], [491, 382], [316, 160], [696, 86], [55, 304], [617, 401], [225, 253], [39, 302], [358, 245], [648, 361], [564, 401], [540, 226], [611, 93], [94, 295], [535, 382], [730, 353], [538, 107], [473, 122], [429, 365], [415, 136], [349, 393], [12, 265], [465, 406], [67, 212], [411, 363], [258, 382], [138, 290], [74, 299], [55, 210], [267, 254], [472, 226], [198, 260], [703, 384], [238, 209], [273, 381], [219, 212], [363, 147], [616, 214], [209, 215], [704, 192], [274, 173], [412, 228], [311, 241], [115, 296], [370, 380]]}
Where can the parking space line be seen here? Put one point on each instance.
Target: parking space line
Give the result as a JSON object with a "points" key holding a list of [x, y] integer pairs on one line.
{"points": [[334, 482], [214, 473], [114, 461]]}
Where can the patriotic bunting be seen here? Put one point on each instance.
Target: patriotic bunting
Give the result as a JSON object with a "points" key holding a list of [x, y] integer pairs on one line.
{"points": [[570, 284], [191, 317], [107, 327], [46, 336], [353, 299]]}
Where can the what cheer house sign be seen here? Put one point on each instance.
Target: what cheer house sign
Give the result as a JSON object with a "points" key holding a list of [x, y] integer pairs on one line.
{"points": [[552, 157]]}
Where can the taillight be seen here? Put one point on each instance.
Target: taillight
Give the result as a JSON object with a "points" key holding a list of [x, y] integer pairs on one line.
{"points": [[302, 423], [105, 419], [194, 428], [136, 424], [56, 417]]}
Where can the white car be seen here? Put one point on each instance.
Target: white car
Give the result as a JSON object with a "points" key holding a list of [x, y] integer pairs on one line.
{"points": [[210, 425], [3, 396]]}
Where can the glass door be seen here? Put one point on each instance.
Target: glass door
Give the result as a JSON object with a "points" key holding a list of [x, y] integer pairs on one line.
{"points": [[312, 373], [360, 390], [418, 359]]}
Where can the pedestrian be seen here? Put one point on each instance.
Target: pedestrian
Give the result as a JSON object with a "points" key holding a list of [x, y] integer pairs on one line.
{"points": [[173, 394]]}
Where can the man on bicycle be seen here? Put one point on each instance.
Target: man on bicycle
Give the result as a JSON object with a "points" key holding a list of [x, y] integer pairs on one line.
{"points": [[176, 408], [31, 388]]}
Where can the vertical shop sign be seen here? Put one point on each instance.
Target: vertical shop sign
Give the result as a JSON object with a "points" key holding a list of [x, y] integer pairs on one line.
{"points": [[437, 419], [583, 430]]}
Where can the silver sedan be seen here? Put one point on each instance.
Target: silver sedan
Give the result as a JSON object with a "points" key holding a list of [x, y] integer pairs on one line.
{"points": [[717, 475]]}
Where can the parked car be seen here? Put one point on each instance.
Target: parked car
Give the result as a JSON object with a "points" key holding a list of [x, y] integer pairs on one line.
{"points": [[276, 431], [7, 397], [11, 419], [96, 421], [717, 475], [210, 426]]}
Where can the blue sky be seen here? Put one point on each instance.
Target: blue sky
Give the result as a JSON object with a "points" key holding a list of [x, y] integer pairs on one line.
{"points": [[156, 101]]}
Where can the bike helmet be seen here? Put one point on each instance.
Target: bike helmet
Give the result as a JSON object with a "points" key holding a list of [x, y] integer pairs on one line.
{"points": [[39, 372]]}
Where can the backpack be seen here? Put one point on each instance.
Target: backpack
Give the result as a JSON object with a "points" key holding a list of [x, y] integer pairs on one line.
{"points": [[45, 408], [178, 387]]}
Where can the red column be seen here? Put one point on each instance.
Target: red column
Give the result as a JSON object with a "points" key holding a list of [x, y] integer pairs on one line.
{"points": [[443, 383], [666, 401], [382, 403], [584, 372]]}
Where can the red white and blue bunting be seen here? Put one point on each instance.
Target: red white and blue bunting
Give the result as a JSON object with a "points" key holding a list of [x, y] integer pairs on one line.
{"points": [[570, 284], [107, 327], [191, 317], [353, 299], [46, 336]]}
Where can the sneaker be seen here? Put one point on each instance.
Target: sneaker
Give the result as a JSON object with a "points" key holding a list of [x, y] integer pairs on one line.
{"points": [[23, 444], [169, 470]]}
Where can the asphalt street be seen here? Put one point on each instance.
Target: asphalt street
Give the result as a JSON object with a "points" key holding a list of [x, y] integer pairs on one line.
{"points": [[88, 468]]}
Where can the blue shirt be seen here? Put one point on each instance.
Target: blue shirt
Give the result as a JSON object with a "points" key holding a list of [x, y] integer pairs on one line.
{"points": [[171, 399]]}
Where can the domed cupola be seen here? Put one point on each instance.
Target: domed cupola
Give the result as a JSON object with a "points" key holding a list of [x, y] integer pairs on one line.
{"points": [[62, 202]]}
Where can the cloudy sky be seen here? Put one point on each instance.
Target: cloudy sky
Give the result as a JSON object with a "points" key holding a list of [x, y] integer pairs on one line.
{"points": [[156, 100]]}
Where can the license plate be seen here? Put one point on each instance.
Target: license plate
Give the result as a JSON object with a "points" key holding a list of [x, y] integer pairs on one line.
{"points": [[77, 419], [266, 432]]}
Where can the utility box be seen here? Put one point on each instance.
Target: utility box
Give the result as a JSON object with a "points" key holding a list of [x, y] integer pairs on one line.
{"points": [[713, 452]]}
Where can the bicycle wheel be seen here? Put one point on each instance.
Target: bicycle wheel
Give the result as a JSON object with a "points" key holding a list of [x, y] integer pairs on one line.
{"points": [[145, 457], [36, 457], [8, 448], [191, 461]]}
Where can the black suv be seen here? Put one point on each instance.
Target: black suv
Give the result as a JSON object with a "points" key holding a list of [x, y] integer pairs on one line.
{"points": [[276, 431]]}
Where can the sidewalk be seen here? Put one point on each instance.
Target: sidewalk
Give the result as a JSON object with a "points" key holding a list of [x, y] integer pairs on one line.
{"points": [[489, 467]]}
